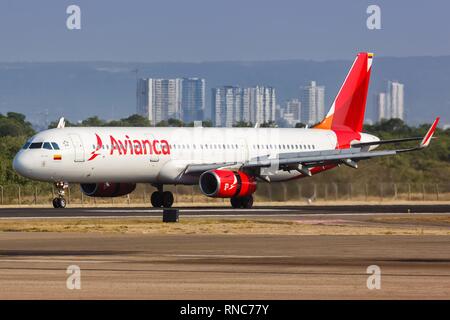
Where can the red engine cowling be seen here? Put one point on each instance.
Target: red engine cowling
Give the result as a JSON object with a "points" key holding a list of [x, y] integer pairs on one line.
{"points": [[106, 189], [226, 184]]}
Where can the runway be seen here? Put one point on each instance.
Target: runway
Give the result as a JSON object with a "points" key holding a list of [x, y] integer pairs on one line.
{"points": [[124, 266], [311, 252], [116, 212]]}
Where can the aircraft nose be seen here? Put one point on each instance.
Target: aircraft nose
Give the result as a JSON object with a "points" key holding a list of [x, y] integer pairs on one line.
{"points": [[22, 164]]}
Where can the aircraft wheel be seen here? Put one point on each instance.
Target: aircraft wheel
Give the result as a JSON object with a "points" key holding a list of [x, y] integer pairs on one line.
{"points": [[59, 203], [167, 199], [156, 199], [247, 202], [235, 202], [62, 202]]}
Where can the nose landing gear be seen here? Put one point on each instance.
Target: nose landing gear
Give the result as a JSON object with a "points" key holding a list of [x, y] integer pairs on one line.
{"points": [[161, 198], [59, 201]]}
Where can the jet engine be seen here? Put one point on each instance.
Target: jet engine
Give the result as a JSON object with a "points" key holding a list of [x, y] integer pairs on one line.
{"points": [[105, 189], [226, 184]]}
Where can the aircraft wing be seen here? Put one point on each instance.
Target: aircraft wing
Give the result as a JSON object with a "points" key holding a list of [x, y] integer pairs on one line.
{"points": [[200, 168], [345, 156], [303, 160]]}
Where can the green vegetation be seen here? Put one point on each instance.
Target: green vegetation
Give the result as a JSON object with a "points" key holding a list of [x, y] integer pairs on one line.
{"points": [[429, 166]]}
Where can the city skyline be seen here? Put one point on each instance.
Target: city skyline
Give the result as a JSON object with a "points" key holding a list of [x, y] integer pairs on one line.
{"points": [[233, 104], [390, 104], [78, 91]]}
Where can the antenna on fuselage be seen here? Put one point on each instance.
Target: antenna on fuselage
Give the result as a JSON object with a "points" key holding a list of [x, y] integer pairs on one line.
{"points": [[61, 123], [256, 125]]}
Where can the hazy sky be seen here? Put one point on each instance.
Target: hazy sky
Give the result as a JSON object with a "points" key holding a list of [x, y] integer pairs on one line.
{"points": [[212, 30]]}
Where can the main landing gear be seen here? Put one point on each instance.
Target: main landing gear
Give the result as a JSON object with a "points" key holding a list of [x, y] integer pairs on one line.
{"points": [[59, 201], [242, 202], [161, 198]]}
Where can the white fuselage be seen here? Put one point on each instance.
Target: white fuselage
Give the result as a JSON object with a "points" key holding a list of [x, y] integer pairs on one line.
{"points": [[158, 155]]}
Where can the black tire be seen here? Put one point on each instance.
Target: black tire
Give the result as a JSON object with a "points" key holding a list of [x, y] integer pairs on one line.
{"points": [[55, 203], [247, 202], [156, 199], [167, 199], [236, 202], [62, 202]]}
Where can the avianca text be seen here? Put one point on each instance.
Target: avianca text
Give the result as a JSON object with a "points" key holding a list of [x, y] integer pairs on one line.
{"points": [[138, 147]]}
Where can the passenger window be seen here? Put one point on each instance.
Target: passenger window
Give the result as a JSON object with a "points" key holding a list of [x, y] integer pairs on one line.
{"points": [[36, 145], [47, 146], [55, 146]]}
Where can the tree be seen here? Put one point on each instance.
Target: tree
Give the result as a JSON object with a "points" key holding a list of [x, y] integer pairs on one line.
{"points": [[93, 122], [269, 124], [136, 120], [243, 124], [207, 123], [14, 125], [300, 125]]}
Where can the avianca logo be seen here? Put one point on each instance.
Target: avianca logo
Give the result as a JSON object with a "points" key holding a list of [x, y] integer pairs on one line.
{"points": [[99, 145], [230, 186], [131, 147]]}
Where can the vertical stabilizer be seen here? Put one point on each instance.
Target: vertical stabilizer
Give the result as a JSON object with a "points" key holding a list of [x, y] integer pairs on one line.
{"points": [[347, 111]]}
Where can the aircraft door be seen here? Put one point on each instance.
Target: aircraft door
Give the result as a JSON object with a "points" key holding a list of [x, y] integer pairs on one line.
{"points": [[78, 147]]}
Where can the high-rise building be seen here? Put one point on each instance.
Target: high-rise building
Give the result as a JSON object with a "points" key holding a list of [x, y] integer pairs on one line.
{"points": [[390, 104], [233, 104], [380, 100], [294, 106], [395, 100], [159, 99], [313, 103], [225, 104], [192, 99]]}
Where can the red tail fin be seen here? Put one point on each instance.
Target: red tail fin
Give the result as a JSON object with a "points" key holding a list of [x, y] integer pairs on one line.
{"points": [[347, 110]]}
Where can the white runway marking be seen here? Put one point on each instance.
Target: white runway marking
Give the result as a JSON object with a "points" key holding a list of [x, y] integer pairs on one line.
{"points": [[185, 210], [75, 260], [300, 215]]}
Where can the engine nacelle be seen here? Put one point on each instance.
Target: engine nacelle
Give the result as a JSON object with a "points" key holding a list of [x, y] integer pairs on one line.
{"points": [[106, 189], [226, 184]]}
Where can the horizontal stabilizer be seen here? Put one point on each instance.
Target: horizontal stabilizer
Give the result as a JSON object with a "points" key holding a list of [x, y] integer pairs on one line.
{"points": [[427, 138]]}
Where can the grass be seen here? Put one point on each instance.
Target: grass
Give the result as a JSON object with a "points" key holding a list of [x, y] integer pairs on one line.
{"points": [[202, 226]]}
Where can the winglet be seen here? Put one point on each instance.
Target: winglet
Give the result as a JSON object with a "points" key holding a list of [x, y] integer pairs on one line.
{"points": [[61, 123], [427, 138]]}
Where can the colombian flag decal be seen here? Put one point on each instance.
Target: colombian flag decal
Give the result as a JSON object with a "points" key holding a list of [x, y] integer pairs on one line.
{"points": [[57, 157]]}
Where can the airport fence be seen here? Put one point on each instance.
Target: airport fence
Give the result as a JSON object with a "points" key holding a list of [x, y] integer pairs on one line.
{"points": [[291, 192]]}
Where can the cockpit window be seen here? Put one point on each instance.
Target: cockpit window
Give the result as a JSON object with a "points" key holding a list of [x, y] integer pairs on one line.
{"points": [[55, 146], [47, 146], [26, 145], [36, 145]]}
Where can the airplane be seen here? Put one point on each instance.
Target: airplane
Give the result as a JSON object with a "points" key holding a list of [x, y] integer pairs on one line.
{"points": [[224, 162]]}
